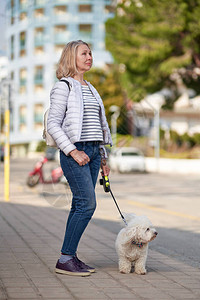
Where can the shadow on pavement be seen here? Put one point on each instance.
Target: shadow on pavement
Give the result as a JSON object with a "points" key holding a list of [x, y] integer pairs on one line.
{"points": [[50, 221]]}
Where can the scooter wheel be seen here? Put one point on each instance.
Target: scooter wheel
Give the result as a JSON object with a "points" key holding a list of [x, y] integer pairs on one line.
{"points": [[33, 180]]}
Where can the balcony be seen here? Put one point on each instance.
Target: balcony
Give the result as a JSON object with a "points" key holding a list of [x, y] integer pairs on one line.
{"points": [[108, 2], [22, 119], [85, 35], [22, 45], [38, 118], [38, 80], [22, 81], [61, 37], [56, 2], [23, 16], [22, 42], [62, 18], [60, 13], [39, 50], [84, 8], [39, 3], [39, 16], [23, 7], [86, 17], [39, 41]]}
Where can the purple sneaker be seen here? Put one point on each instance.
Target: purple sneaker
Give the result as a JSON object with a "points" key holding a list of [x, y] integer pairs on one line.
{"points": [[83, 266], [71, 268]]}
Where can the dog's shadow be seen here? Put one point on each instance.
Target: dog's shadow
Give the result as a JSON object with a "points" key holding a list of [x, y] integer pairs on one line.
{"points": [[171, 242]]}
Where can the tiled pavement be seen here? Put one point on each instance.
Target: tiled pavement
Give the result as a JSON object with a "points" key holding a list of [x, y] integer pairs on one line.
{"points": [[31, 233]]}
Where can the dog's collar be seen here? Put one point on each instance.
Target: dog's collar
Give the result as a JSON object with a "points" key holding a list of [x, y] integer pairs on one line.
{"points": [[140, 245]]}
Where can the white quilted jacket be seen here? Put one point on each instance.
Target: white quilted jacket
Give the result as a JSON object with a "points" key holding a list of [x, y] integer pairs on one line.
{"points": [[65, 116]]}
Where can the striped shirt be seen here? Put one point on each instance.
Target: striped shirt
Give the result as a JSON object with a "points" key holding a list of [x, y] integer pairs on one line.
{"points": [[91, 128]]}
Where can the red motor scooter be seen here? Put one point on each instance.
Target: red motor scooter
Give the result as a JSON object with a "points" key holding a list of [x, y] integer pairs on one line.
{"points": [[36, 176]]}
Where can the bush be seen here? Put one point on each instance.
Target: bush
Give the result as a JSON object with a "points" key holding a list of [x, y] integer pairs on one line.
{"points": [[196, 138], [41, 147], [175, 137], [188, 140]]}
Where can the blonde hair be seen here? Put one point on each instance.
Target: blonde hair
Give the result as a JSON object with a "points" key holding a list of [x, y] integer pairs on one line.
{"points": [[67, 62]]}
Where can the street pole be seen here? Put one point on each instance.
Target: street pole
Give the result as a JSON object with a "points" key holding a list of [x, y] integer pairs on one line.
{"points": [[114, 117], [7, 146], [157, 127], [157, 148], [7, 157]]}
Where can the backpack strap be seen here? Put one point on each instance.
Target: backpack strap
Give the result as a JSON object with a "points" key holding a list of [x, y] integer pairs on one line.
{"points": [[67, 82]]}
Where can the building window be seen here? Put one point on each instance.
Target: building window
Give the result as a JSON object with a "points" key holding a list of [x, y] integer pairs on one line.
{"points": [[109, 9], [38, 116], [60, 28], [39, 2], [60, 34], [58, 48], [23, 16], [39, 75], [85, 30], [22, 43], [22, 80], [38, 78], [12, 8], [39, 13], [39, 36], [39, 50], [22, 118], [39, 40], [23, 4], [60, 12], [85, 8], [12, 75], [12, 41], [38, 113]]}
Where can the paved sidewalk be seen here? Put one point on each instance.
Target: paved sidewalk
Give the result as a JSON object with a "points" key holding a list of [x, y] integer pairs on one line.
{"points": [[31, 233]]}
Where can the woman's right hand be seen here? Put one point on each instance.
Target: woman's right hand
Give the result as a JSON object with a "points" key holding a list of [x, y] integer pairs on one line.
{"points": [[80, 157]]}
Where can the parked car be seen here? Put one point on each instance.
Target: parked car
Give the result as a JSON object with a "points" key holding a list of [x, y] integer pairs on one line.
{"points": [[127, 159], [1, 153], [51, 153]]}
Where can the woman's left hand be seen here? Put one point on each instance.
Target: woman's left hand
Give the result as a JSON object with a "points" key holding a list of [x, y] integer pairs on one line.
{"points": [[105, 168]]}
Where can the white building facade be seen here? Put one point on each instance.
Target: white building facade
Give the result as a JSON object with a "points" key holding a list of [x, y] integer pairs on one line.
{"points": [[37, 31], [3, 67]]}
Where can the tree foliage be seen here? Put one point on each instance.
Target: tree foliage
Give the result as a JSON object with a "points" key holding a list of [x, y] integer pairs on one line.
{"points": [[153, 39]]}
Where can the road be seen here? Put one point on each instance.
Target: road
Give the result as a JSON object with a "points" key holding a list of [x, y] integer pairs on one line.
{"points": [[172, 203]]}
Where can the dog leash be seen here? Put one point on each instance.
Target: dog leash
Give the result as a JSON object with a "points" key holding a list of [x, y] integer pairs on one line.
{"points": [[106, 185]]}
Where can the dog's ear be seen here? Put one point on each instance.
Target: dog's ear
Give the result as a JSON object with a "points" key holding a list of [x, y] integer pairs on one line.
{"points": [[129, 234]]}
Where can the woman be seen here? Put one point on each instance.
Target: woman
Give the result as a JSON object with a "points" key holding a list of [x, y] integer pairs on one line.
{"points": [[78, 124]]}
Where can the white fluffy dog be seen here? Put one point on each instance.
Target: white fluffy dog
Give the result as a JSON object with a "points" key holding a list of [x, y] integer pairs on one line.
{"points": [[132, 243]]}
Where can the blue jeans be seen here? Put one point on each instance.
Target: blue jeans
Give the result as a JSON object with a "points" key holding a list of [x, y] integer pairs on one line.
{"points": [[82, 181]]}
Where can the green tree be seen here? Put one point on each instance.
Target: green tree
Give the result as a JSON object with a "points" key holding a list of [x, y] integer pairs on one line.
{"points": [[41, 146], [154, 39]]}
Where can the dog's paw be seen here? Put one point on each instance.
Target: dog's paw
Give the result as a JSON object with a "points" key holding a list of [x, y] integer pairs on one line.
{"points": [[124, 271], [124, 266], [141, 272]]}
